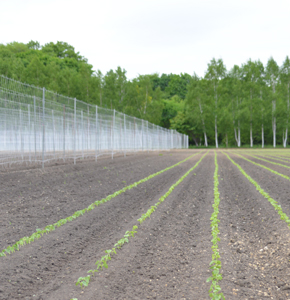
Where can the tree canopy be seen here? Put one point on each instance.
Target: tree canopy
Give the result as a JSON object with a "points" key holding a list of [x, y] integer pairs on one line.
{"points": [[248, 104]]}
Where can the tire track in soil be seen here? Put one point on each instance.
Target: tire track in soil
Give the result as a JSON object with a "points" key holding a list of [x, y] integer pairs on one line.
{"points": [[57, 260], [170, 255], [57, 192], [254, 244]]}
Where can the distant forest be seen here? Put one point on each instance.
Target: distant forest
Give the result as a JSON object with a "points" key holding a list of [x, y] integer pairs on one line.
{"points": [[247, 105]]}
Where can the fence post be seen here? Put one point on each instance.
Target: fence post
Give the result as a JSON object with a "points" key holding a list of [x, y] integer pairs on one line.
{"points": [[53, 134], [134, 135], [96, 145], [100, 134], [82, 132], [113, 136], [5, 128], [63, 128], [125, 135], [29, 129], [75, 124], [20, 131], [147, 139], [34, 127], [158, 137], [88, 140], [43, 123], [142, 135]]}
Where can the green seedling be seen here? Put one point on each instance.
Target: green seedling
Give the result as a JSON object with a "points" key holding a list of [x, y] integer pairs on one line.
{"points": [[49, 228], [215, 265], [262, 166], [274, 203], [82, 281], [268, 161]]}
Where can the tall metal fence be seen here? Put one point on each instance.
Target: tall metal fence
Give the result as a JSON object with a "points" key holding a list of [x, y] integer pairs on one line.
{"points": [[40, 126]]}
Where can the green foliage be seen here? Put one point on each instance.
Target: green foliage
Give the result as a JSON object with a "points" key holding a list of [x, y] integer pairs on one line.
{"points": [[215, 289], [171, 84], [248, 97], [40, 232], [170, 109], [102, 263]]}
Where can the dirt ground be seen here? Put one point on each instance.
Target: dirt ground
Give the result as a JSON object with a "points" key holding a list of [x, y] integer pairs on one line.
{"points": [[169, 256]]}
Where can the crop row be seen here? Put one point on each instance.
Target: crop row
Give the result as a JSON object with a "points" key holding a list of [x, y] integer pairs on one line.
{"points": [[49, 228], [274, 203], [103, 262], [215, 290], [262, 166], [275, 158], [268, 161]]}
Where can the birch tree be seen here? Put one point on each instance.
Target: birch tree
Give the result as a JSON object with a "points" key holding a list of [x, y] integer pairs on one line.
{"points": [[285, 79], [272, 77], [236, 88], [252, 74], [216, 70]]}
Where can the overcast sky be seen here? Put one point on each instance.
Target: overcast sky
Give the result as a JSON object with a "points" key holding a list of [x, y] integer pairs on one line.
{"points": [[150, 36]]}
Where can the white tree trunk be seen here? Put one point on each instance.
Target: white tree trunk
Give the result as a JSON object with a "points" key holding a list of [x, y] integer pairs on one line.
{"points": [[285, 137], [274, 132], [215, 125], [251, 125], [216, 134], [236, 137], [239, 135], [205, 139], [203, 125], [274, 119], [286, 132], [262, 121]]}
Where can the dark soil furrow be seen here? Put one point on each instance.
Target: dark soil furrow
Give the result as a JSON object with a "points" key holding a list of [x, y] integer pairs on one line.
{"points": [[57, 192], [275, 167], [169, 257], [254, 243], [276, 186], [61, 257]]}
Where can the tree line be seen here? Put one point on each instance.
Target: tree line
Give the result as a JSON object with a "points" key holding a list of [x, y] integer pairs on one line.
{"points": [[248, 104]]}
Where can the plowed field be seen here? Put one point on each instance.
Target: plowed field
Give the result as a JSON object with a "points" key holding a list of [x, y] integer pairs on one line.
{"points": [[169, 256]]}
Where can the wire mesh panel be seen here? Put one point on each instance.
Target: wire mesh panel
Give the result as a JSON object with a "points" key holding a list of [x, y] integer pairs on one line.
{"points": [[40, 126]]}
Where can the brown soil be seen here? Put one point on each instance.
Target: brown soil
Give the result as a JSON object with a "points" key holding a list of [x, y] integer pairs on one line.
{"points": [[170, 255]]}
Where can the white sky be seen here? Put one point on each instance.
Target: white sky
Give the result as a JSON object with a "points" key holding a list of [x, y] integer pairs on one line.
{"points": [[151, 36]]}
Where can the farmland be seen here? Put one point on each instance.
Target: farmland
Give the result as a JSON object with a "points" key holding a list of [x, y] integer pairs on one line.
{"points": [[180, 224]]}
